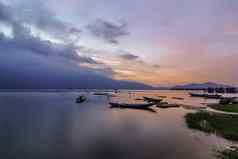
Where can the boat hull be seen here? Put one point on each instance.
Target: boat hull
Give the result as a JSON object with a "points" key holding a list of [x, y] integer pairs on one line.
{"points": [[216, 96], [135, 106], [81, 99], [152, 100]]}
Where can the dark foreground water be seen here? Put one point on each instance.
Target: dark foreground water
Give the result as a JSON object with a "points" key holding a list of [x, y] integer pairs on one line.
{"points": [[53, 126]]}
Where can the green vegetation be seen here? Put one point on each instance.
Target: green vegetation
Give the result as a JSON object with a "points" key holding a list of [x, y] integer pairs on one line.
{"points": [[221, 124], [226, 107], [227, 154]]}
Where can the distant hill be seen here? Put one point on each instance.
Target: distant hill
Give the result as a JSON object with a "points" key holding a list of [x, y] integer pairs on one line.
{"points": [[72, 83], [66, 80], [198, 86]]}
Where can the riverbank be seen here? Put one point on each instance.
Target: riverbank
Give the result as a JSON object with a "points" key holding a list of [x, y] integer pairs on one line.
{"points": [[225, 107], [222, 124], [229, 153]]}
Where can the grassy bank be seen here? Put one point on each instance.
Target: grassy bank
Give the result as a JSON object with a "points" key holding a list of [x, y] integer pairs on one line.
{"points": [[221, 124], [226, 107], [227, 154]]}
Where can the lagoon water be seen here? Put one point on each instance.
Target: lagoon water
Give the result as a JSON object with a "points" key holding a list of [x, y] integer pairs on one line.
{"points": [[50, 125]]}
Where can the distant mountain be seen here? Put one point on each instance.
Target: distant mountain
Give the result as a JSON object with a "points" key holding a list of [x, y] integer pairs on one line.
{"points": [[68, 80], [73, 83], [198, 86]]}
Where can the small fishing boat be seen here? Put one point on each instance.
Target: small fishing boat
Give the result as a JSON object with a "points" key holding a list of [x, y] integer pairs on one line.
{"points": [[228, 100], [101, 94], [211, 96], [234, 100], [135, 106], [162, 96], [105, 94], [214, 96], [178, 98], [167, 105], [152, 100], [197, 95], [81, 99]]}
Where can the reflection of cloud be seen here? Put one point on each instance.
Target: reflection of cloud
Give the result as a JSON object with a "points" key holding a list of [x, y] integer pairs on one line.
{"points": [[108, 31]]}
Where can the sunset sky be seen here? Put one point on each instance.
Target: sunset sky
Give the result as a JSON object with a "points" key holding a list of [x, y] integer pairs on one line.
{"points": [[157, 42]]}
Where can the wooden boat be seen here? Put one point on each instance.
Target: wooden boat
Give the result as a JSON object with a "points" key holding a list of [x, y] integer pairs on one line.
{"points": [[101, 94], [152, 100], [178, 98], [211, 96], [166, 105], [197, 95], [135, 106], [234, 100], [228, 100], [81, 99], [104, 94], [162, 96]]}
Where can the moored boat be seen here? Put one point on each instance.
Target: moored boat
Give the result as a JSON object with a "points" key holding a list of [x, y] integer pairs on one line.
{"points": [[135, 106], [81, 99], [197, 95], [152, 100], [101, 94], [167, 105], [212, 96], [178, 98]]}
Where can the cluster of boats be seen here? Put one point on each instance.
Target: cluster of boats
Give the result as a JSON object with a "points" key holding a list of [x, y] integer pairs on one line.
{"points": [[204, 95], [148, 102], [222, 100], [228, 100], [83, 98]]}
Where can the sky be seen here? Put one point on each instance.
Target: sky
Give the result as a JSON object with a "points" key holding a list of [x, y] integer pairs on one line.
{"points": [[156, 42]]}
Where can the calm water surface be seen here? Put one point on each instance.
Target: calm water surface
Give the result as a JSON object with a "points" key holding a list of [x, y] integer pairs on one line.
{"points": [[52, 126]]}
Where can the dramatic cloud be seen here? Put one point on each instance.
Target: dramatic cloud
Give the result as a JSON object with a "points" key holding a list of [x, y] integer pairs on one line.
{"points": [[29, 61], [24, 41], [6, 14], [108, 31], [165, 41], [36, 16]]}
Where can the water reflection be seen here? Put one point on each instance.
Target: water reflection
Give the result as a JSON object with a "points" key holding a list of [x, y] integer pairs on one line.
{"points": [[53, 126]]}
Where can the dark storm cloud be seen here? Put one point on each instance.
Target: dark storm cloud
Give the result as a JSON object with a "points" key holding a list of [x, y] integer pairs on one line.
{"points": [[129, 56], [23, 40], [36, 15], [22, 69], [108, 31], [28, 61], [42, 18]]}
